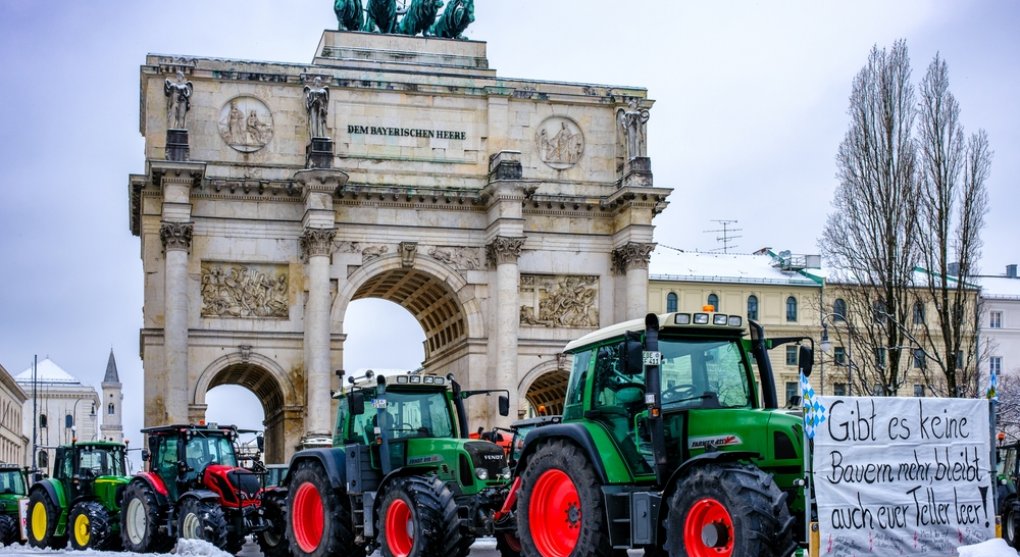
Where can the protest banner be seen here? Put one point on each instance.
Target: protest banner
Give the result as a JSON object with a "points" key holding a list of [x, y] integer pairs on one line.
{"points": [[902, 476]]}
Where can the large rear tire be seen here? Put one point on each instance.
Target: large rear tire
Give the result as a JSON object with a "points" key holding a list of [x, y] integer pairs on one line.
{"points": [[88, 526], [140, 518], [560, 511], [319, 521], [728, 510], [202, 520], [273, 540], [1011, 523], [43, 516], [418, 518], [8, 529]]}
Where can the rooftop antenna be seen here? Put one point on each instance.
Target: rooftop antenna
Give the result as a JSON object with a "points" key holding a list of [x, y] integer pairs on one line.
{"points": [[727, 235]]}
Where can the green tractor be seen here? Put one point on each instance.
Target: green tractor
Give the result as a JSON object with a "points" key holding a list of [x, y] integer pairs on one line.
{"points": [[402, 476], [1008, 472], [81, 501], [669, 442], [12, 492]]}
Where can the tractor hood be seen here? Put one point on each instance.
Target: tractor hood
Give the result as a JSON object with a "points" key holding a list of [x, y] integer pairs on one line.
{"points": [[471, 463]]}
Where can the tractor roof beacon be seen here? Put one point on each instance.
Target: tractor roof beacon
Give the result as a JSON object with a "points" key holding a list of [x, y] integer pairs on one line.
{"points": [[192, 487], [668, 441], [81, 501], [402, 476]]}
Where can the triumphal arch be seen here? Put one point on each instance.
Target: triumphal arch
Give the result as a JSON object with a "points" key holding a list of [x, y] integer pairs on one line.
{"points": [[508, 216]]}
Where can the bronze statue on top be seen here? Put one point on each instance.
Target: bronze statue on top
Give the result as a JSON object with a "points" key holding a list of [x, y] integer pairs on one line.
{"points": [[406, 17]]}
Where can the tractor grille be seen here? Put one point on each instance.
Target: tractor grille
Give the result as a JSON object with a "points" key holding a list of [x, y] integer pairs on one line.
{"points": [[245, 481], [488, 456]]}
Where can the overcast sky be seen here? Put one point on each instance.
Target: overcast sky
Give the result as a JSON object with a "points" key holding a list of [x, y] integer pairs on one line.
{"points": [[750, 108]]}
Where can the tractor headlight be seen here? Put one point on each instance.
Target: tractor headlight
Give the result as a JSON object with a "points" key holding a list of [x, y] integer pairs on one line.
{"points": [[482, 474]]}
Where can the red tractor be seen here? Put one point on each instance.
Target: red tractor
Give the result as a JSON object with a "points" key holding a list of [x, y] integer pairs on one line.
{"points": [[192, 488]]}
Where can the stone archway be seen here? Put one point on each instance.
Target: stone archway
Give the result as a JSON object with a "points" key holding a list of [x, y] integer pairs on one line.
{"points": [[546, 386], [270, 385]]}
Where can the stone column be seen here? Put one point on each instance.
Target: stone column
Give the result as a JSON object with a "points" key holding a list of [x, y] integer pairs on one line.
{"points": [[504, 252], [318, 189], [632, 259], [176, 238]]}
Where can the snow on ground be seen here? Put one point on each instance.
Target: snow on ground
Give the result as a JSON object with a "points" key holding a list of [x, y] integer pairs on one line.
{"points": [[992, 548]]}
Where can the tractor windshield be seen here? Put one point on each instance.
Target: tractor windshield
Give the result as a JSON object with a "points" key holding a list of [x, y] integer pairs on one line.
{"points": [[203, 450], [101, 461], [11, 482], [405, 414], [704, 373]]}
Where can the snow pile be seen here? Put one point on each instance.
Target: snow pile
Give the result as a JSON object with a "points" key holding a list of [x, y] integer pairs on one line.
{"points": [[198, 548], [995, 547]]}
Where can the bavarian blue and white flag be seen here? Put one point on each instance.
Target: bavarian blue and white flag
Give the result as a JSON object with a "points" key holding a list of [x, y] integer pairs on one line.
{"points": [[814, 413]]}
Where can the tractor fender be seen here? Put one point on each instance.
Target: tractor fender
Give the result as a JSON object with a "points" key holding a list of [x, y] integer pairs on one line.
{"points": [[156, 484], [54, 492], [200, 494], [572, 432], [333, 461]]}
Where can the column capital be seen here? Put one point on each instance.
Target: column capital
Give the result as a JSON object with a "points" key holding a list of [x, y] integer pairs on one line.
{"points": [[633, 255], [176, 235], [317, 241], [504, 249]]}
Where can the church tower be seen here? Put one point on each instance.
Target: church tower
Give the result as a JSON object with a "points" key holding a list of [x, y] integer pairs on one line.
{"points": [[113, 402]]}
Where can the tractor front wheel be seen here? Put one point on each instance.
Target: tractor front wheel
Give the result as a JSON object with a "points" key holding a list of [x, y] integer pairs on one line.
{"points": [[42, 522], [89, 526], [202, 520], [728, 510], [273, 541], [319, 522], [8, 529], [560, 511], [418, 518], [140, 517]]}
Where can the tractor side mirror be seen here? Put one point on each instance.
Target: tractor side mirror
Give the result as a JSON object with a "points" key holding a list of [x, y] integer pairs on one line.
{"points": [[504, 405], [633, 360], [145, 455], [357, 402], [806, 360], [43, 459], [260, 441]]}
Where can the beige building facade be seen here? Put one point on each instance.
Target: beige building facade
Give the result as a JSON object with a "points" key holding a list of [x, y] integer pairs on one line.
{"points": [[507, 216], [13, 443]]}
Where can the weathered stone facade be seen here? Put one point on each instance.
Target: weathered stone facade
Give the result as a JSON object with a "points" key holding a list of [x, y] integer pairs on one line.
{"points": [[438, 186]]}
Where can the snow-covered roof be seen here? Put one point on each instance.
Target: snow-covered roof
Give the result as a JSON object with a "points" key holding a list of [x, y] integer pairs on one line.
{"points": [[999, 287], [671, 264], [47, 371]]}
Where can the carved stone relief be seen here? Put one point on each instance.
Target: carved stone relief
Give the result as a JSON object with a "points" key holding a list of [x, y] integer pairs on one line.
{"points": [[244, 290], [560, 142], [407, 252], [246, 124], [373, 252], [345, 246], [458, 257], [559, 301]]}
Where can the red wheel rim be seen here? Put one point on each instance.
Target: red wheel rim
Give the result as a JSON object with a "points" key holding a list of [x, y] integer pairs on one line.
{"points": [[555, 514], [307, 518], [399, 528], [708, 530]]}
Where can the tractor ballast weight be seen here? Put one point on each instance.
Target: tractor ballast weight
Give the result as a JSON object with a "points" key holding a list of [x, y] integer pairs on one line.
{"points": [[401, 476], [667, 442]]}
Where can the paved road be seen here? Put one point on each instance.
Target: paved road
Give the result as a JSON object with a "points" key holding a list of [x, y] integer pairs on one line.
{"points": [[483, 547]]}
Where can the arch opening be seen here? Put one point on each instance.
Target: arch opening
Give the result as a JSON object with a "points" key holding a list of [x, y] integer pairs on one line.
{"points": [[249, 396], [548, 390]]}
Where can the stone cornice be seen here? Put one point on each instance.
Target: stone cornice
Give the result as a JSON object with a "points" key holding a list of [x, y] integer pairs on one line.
{"points": [[180, 172], [653, 199], [633, 255], [320, 180], [176, 235], [317, 242], [504, 249]]}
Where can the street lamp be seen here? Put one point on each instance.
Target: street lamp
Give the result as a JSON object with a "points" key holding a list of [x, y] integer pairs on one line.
{"points": [[826, 346]]}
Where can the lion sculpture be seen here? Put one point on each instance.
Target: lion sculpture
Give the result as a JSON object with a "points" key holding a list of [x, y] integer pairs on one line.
{"points": [[349, 14], [420, 16], [455, 19], [382, 16]]}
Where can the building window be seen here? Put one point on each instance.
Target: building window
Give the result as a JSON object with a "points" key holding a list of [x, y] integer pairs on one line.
{"points": [[839, 355], [880, 357], [713, 301], [42, 420], [919, 358], [918, 389], [995, 321], [791, 355], [839, 309], [791, 309], [68, 421], [839, 389], [752, 307], [671, 302], [995, 364], [110, 409], [792, 390], [878, 312], [918, 313]]}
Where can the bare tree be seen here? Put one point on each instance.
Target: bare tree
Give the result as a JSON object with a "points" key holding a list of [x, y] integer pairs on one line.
{"points": [[953, 201], [1009, 405], [870, 237]]}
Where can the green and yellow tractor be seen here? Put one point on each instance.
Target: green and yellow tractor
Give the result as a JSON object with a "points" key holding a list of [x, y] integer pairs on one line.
{"points": [[671, 441], [81, 501], [402, 475], [12, 492]]}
